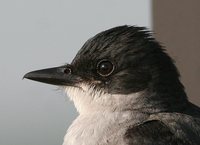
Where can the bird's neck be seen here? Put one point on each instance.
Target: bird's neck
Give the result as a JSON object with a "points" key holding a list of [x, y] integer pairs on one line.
{"points": [[91, 101], [157, 98], [167, 97]]}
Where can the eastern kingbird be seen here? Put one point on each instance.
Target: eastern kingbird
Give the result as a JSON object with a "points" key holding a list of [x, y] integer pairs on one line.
{"points": [[127, 91]]}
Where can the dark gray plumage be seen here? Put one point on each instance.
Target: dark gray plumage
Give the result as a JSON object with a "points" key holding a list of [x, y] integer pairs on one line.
{"points": [[130, 92]]}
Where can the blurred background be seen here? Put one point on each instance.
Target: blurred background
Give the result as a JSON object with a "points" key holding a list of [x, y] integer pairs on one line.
{"points": [[45, 33]]}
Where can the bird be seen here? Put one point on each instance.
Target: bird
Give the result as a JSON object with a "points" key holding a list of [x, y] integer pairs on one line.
{"points": [[127, 91]]}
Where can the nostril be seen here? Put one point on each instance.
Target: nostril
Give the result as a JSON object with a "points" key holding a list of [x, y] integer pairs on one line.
{"points": [[67, 70]]}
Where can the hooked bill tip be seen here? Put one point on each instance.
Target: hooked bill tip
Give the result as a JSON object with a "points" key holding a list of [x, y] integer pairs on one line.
{"points": [[26, 76]]}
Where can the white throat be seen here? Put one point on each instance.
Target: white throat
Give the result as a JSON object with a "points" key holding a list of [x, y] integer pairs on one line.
{"points": [[87, 99]]}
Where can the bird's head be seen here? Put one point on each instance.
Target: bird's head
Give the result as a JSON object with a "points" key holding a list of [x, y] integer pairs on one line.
{"points": [[116, 69]]}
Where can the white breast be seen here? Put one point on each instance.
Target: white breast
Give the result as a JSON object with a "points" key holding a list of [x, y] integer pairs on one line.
{"points": [[103, 117], [100, 129]]}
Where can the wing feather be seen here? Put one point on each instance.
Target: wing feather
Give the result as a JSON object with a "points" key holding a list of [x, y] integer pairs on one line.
{"points": [[165, 129]]}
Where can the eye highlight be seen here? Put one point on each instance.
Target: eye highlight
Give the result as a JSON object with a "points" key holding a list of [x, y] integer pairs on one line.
{"points": [[105, 67]]}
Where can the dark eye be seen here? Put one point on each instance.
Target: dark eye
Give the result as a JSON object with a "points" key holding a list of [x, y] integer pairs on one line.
{"points": [[105, 68]]}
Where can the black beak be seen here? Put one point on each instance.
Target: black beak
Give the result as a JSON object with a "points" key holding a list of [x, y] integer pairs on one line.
{"points": [[56, 76]]}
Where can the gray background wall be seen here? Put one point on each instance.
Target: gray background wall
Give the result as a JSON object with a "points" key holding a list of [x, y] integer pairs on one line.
{"points": [[36, 34], [176, 24]]}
